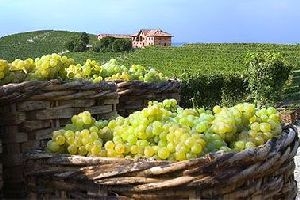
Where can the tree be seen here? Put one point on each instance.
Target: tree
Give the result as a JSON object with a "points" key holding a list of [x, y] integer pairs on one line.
{"points": [[112, 44], [105, 44], [120, 45], [70, 45], [85, 38], [78, 44]]}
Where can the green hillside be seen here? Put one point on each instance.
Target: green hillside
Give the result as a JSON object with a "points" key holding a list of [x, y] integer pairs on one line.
{"points": [[35, 44]]}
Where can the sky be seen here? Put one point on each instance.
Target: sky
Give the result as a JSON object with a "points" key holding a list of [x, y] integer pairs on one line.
{"points": [[204, 21]]}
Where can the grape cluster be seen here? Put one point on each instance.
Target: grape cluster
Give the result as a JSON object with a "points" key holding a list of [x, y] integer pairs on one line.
{"points": [[85, 136], [112, 71], [3, 68], [55, 66], [51, 67], [25, 66], [166, 131]]}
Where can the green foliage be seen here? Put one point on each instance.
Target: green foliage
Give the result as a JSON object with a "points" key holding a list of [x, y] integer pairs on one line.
{"points": [[120, 45], [207, 58], [85, 38], [207, 90], [104, 44], [78, 44], [112, 44], [70, 45], [267, 74], [235, 89]]}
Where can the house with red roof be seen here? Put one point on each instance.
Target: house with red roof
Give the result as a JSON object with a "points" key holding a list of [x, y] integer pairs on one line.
{"points": [[145, 37]]}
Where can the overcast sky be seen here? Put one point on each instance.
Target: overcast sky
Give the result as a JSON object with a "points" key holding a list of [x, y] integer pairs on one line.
{"points": [[269, 21]]}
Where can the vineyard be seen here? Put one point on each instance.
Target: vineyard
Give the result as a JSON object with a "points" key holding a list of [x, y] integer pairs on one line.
{"points": [[200, 58]]}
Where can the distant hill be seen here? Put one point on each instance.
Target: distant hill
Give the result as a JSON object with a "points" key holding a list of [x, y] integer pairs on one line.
{"points": [[35, 44]]}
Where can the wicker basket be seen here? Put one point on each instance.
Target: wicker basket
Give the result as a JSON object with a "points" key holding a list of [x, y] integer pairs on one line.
{"points": [[135, 95], [289, 116], [265, 172], [31, 110], [1, 169]]}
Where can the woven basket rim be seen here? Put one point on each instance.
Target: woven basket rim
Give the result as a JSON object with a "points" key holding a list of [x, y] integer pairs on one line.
{"points": [[16, 92], [133, 81], [59, 81]]}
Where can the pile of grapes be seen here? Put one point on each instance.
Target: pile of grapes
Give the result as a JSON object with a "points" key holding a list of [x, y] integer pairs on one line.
{"points": [[55, 66], [166, 131], [112, 71]]}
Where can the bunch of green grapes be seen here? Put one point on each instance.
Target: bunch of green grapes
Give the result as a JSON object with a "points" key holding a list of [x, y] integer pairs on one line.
{"points": [[55, 66], [152, 75], [25, 66], [4, 68], [113, 71], [51, 67], [85, 136], [7, 75], [154, 132], [91, 70], [112, 67], [225, 122], [74, 72], [166, 131], [263, 125]]}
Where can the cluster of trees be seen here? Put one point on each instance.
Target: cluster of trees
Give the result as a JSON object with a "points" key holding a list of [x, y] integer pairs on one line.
{"points": [[78, 44], [107, 44], [112, 44]]}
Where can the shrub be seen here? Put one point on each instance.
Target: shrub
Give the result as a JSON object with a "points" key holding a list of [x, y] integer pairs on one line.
{"points": [[120, 45], [207, 90], [267, 74], [70, 45], [78, 44], [111, 44]]}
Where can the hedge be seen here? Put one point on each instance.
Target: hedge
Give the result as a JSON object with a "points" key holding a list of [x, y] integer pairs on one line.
{"points": [[262, 83]]}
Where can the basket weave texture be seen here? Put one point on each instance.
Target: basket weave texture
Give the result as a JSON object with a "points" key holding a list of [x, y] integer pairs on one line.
{"points": [[289, 116], [1, 169], [265, 172], [30, 111], [135, 95]]}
